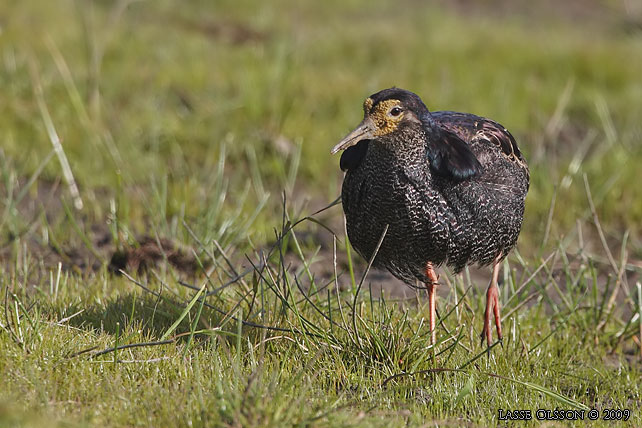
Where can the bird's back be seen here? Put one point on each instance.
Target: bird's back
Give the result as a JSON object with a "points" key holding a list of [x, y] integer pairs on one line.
{"points": [[472, 128], [489, 208]]}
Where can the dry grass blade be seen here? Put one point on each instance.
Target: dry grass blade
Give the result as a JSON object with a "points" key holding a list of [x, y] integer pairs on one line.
{"points": [[53, 135], [131, 345]]}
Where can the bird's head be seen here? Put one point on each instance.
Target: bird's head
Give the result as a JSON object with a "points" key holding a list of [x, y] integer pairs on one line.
{"points": [[385, 113], [390, 116]]}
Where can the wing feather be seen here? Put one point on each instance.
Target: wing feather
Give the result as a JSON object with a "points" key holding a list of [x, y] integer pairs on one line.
{"points": [[476, 129]]}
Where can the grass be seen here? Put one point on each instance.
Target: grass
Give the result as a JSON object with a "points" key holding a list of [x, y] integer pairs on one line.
{"points": [[210, 127], [325, 358]]}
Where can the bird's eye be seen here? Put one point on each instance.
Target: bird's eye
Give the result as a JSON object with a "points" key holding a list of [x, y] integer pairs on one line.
{"points": [[395, 111]]}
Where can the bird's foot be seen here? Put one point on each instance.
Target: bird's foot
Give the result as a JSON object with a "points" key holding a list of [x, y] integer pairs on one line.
{"points": [[486, 334], [492, 307]]}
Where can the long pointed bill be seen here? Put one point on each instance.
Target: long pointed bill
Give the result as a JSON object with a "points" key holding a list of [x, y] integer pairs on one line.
{"points": [[364, 131]]}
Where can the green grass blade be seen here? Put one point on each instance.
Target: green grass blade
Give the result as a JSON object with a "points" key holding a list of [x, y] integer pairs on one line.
{"points": [[189, 306]]}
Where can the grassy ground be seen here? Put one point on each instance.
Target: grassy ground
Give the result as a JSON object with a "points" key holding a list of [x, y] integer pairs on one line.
{"points": [[190, 138]]}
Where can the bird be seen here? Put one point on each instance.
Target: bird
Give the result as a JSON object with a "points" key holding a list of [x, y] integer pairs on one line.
{"points": [[425, 189]]}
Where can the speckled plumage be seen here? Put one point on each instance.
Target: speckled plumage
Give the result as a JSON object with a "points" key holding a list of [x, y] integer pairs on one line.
{"points": [[446, 202]]}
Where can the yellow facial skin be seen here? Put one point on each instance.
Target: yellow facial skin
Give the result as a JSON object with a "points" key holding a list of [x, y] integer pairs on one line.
{"points": [[381, 116], [367, 105], [379, 120]]}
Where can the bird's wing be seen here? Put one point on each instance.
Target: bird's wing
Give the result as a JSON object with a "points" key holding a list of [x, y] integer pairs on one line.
{"points": [[471, 128], [449, 155]]}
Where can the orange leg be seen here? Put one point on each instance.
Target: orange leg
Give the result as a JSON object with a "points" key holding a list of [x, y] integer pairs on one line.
{"points": [[432, 286], [492, 303]]}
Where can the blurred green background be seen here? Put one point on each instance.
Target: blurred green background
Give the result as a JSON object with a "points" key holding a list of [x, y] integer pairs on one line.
{"points": [[149, 98]]}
